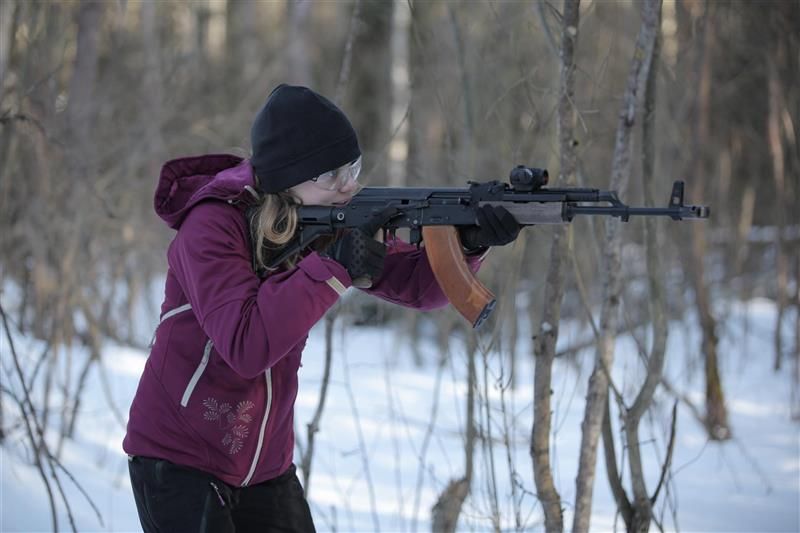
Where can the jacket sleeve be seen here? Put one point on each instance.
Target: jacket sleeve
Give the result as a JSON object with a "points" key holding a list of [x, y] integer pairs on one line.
{"points": [[253, 323], [408, 279]]}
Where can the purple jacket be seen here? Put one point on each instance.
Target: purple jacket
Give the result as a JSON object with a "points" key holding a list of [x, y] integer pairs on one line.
{"points": [[218, 390]]}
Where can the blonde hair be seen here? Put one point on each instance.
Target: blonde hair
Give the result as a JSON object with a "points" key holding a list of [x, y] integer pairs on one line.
{"points": [[273, 223]]}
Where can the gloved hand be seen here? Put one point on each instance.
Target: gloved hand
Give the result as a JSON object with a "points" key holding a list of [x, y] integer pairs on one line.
{"points": [[496, 227], [358, 251]]}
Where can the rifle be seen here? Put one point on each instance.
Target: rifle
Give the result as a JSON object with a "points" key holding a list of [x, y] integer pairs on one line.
{"points": [[433, 214]]}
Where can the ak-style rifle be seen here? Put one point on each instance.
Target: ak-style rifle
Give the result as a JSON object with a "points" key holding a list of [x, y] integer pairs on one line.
{"points": [[433, 214]]}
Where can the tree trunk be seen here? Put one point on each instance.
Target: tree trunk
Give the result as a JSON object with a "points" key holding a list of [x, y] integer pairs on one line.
{"points": [[9, 11], [369, 93], [397, 146], [620, 172], [545, 344], [427, 134], [246, 52], [612, 470], [82, 109], [298, 63], [642, 505], [795, 394], [775, 105], [716, 414], [445, 513], [152, 85], [638, 514]]}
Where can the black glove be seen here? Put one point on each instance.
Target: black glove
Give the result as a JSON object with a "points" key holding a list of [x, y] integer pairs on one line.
{"points": [[359, 253], [496, 227]]}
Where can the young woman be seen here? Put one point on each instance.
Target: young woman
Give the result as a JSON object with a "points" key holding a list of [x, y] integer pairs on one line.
{"points": [[210, 434]]}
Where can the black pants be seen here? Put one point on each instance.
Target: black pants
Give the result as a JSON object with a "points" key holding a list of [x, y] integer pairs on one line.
{"points": [[176, 499]]}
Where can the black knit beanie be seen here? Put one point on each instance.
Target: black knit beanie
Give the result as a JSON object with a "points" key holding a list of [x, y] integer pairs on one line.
{"points": [[298, 135]]}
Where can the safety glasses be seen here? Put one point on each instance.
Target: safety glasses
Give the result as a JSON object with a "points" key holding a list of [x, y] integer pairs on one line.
{"points": [[337, 179]]}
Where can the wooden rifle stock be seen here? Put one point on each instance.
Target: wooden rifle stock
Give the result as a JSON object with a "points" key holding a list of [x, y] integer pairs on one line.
{"points": [[446, 256]]}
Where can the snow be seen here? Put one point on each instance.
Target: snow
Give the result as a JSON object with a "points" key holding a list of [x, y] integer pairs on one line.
{"points": [[409, 423]]}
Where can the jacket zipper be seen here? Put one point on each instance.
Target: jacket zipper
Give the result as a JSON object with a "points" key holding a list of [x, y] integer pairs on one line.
{"points": [[197, 373], [169, 314], [268, 377]]}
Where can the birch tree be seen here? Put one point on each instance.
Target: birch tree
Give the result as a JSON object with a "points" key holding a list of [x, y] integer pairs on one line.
{"points": [[620, 173], [638, 514]]}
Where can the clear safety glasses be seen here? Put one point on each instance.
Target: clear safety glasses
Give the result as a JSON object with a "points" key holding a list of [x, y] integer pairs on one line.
{"points": [[337, 179]]}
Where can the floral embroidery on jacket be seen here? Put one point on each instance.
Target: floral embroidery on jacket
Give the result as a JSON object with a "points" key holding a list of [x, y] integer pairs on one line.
{"points": [[229, 420]]}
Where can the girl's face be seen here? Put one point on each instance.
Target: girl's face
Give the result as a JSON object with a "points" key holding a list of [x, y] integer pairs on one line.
{"points": [[336, 187], [309, 194]]}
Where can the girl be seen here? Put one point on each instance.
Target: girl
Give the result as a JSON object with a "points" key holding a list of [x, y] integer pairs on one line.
{"points": [[210, 434]]}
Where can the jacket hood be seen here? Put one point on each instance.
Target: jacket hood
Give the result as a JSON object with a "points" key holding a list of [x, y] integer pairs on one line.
{"points": [[187, 181]]}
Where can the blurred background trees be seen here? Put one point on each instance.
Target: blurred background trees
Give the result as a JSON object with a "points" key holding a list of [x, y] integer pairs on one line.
{"points": [[95, 96]]}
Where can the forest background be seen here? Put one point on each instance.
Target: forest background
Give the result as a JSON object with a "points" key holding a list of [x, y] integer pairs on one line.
{"points": [[95, 96]]}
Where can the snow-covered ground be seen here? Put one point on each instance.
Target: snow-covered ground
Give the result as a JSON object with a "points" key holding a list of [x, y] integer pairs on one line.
{"points": [[391, 437]]}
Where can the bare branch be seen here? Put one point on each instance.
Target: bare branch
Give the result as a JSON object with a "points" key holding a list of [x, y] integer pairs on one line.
{"points": [[614, 479], [683, 398], [313, 427], [39, 445], [668, 460], [424, 451], [28, 414], [551, 40], [362, 446]]}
